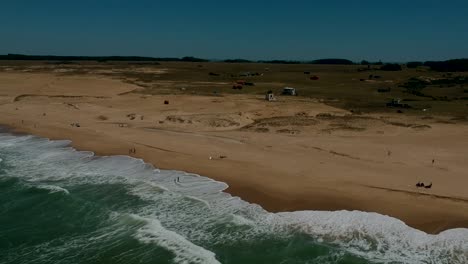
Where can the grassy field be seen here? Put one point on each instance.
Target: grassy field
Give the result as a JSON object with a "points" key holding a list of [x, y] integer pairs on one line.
{"points": [[346, 86]]}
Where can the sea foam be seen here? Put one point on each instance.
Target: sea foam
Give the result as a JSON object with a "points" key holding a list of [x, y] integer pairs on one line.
{"points": [[53, 189], [185, 251], [186, 210]]}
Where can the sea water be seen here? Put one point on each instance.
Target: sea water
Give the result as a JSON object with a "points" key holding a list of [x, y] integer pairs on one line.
{"points": [[59, 205]]}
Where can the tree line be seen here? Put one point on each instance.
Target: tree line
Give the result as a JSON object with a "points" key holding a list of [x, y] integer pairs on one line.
{"points": [[94, 58], [455, 65]]}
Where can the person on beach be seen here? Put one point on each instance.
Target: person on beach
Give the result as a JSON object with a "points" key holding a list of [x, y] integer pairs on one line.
{"points": [[132, 151]]}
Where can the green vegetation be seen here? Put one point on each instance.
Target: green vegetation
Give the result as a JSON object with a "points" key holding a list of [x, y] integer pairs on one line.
{"points": [[193, 59], [93, 58], [333, 62], [391, 67], [415, 86], [237, 61], [414, 64], [443, 89], [458, 65], [143, 59], [279, 62], [344, 86], [73, 58]]}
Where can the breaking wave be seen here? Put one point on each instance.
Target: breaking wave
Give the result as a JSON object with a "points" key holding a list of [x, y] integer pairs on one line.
{"points": [[192, 220]]}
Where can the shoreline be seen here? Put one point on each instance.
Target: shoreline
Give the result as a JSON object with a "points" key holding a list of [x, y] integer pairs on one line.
{"points": [[274, 203], [288, 155], [198, 210]]}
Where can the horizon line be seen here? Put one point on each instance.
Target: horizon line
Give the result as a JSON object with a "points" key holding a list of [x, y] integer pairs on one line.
{"points": [[197, 59]]}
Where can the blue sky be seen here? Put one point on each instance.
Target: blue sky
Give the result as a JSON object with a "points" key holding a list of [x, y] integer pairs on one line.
{"points": [[375, 30]]}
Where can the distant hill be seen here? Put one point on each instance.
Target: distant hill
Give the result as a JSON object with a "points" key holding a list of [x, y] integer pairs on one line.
{"points": [[456, 65], [391, 67], [237, 61], [279, 61], [93, 58], [333, 61], [414, 64], [321, 61]]}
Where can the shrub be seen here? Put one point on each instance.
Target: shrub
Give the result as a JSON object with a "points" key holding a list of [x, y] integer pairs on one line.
{"points": [[414, 64], [391, 67]]}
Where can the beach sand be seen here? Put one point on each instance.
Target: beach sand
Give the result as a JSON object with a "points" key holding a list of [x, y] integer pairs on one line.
{"points": [[287, 155]]}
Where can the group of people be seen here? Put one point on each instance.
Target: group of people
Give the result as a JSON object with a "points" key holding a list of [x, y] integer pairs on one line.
{"points": [[421, 184]]}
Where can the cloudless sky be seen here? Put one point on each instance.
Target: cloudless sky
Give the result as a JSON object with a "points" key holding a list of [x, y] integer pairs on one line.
{"points": [[397, 30]]}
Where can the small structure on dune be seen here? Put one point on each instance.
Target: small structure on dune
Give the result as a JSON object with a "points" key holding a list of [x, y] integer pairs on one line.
{"points": [[396, 102], [289, 91], [249, 74], [269, 96]]}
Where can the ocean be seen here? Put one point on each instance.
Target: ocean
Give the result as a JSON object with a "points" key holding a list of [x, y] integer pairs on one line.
{"points": [[59, 205]]}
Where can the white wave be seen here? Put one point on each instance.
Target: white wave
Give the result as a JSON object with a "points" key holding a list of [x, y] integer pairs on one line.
{"points": [[380, 238], [184, 250], [7, 140], [53, 189], [369, 235], [241, 221], [206, 203]]}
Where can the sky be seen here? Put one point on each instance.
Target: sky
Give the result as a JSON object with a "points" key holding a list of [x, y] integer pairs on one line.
{"points": [[391, 31]]}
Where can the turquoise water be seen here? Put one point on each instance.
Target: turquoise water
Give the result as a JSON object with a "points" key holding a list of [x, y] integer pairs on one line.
{"points": [[58, 205]]}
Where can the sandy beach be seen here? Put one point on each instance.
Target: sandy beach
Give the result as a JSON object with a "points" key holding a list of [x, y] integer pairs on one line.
{"points": [[292, 154]]}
